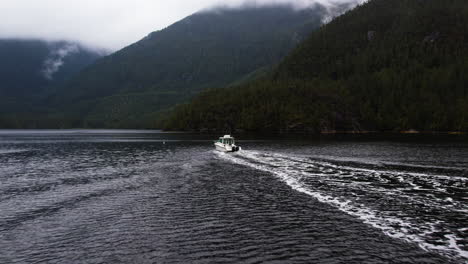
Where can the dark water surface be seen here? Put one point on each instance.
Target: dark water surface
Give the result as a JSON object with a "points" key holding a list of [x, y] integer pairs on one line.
{"points": [[149, 197]]}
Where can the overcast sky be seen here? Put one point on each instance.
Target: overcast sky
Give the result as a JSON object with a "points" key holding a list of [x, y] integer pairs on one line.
{"points": [[109, 24]]}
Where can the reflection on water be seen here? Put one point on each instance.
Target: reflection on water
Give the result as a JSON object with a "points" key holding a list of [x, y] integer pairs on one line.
{"points": [[144, 196]]}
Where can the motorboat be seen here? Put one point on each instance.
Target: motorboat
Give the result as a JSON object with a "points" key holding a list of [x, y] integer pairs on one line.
{"points": [[226, 143]]}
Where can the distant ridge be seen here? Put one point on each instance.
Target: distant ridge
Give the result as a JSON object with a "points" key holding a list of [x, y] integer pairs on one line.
{"points": [[131, 87], [396, 65], [28, 68]]}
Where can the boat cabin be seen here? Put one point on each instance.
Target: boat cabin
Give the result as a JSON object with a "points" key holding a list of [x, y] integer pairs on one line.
{"points": [[227, 140], [226, 144]]}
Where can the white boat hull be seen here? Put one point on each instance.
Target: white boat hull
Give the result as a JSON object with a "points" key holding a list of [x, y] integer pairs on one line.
{"points": [[226, 148], [218, 148]]}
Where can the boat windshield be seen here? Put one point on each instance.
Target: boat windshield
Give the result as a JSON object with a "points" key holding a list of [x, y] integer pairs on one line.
{"points": [[229, 141]]}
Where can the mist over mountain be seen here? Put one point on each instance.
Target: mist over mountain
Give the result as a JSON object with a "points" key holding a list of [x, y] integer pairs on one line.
{"points": [[28, 68], [208, 49], [112, 24], [384, 66]]}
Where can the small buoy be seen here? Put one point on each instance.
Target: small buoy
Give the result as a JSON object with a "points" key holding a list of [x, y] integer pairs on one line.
{"points": [[164, 142]]}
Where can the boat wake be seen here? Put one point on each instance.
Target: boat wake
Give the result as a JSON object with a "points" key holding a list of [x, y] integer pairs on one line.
{"points": [[12, 151], [417, 206]]}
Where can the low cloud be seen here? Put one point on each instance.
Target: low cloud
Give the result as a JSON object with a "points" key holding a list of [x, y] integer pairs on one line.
{"points": [[333, 8], [110, 24], [56, 58], [337, 8], [297, 4]]}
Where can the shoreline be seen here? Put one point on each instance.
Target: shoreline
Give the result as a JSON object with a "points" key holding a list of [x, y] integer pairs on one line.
{"points": [[404, 132], [242, 132]]}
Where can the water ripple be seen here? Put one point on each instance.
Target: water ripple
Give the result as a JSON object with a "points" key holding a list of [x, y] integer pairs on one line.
{"points": [[427, 209], [83, 199]]}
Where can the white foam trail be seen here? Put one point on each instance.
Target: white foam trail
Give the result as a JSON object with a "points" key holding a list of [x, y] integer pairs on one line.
{"points": [[433, 180], [393, 172], [408, 231], [10, 151]]}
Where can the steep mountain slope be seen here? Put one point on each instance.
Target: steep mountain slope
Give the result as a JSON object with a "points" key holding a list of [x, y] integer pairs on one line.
{"points": [[386, 65], [207, 49], [29, 67]]}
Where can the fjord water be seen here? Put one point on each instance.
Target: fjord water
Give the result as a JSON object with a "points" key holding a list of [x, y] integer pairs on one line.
{"points": [[80, 196]]}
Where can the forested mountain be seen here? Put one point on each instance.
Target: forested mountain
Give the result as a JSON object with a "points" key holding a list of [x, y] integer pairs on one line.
{"points": [[385, 65], [29, 67], [208, 49]]}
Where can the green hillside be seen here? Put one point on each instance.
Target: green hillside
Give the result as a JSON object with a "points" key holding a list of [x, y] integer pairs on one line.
{"points": [[29, 67], [387, 65], [215, 48]]}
